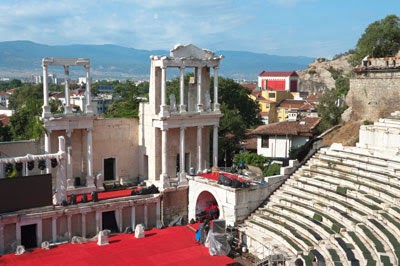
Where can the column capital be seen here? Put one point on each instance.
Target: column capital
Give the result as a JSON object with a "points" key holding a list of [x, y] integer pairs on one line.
{"points": [[216, 67]]}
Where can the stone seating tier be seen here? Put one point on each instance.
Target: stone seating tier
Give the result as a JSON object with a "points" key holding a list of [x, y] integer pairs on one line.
{"points": [[342, 203]]}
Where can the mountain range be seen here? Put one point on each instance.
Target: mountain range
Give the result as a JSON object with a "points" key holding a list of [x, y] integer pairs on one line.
{"points": [[22, 59]]}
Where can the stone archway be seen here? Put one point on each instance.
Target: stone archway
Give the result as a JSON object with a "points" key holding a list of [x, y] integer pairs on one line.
{"points": [[203, 203], [201, 195]]}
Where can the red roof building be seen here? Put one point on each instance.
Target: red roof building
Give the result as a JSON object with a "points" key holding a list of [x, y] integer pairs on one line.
{"points": [[279, 80]]}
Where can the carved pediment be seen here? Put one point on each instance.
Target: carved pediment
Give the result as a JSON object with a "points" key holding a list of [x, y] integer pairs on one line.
{"points": [[191, 51]]}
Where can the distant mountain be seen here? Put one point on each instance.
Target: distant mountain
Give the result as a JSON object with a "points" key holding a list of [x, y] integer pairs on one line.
{"points": [[21, 59]]}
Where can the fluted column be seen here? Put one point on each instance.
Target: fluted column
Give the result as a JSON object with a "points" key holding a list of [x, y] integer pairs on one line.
{"points": [[182, 107], [89, 177], [163, 108], [215, 146], [216, 104], [46, 106], [199, 149], [68, 108], [182, 151], [89, 109], [164, 158], [199, 93]]}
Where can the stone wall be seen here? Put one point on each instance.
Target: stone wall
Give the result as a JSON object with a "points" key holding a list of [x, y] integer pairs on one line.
{"points": [[174, 203], [373, 96]]}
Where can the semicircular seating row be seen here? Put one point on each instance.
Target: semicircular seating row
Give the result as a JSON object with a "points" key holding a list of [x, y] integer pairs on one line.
{"points": [[341, 208]]}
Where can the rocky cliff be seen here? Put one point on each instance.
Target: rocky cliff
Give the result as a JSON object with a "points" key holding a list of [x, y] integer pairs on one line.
{"points": [[320, 75]]}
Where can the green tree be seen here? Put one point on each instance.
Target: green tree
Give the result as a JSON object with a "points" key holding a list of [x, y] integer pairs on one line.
{"points": [[380, 39], [27, 101], [5, 134], [330, 109], [127, 104], [240, 113]]}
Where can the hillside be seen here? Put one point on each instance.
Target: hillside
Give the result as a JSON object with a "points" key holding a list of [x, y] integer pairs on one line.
{"points": [[23, 58], [318, 77]]}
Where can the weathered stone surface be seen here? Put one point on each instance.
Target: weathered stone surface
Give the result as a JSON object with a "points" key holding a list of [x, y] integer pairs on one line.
{"points": [[374, 96], [317, 77]]}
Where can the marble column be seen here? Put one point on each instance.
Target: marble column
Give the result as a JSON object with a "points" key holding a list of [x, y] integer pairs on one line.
{"points": [[118, 218], [89, 177], [68, 108], [163, 107], [46, 106], [89, 109], [133, 218], [70, 177], [1, 239], [216, 104], [215, 146], [39, 232], [145, 214], [2, 174], [182, 107], [99, 221], [83, 224], [164, 158], [158, 213], [69, 227], [61, 183], [54, 229], [199, 148], [47, 150], [199, 90], [182, 153]]}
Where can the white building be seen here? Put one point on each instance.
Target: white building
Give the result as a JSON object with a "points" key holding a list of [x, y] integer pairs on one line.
{"points": [[277, 139]]}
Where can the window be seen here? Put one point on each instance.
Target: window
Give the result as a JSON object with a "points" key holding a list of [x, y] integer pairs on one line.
{"points": [[271, 95], [267, 105], [264, 141]]}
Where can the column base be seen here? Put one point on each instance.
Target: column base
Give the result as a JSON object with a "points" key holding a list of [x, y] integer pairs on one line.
{"points": [[183, 179], [68, 110], [70, 184], [164, 111], [89, 109], [90, 181], [46, 112], [164, 181], [182, 108], [216, 107], [200, 108]]}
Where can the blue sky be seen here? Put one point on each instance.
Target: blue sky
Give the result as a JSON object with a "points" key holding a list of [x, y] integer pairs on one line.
{"points": [[316, 28]]}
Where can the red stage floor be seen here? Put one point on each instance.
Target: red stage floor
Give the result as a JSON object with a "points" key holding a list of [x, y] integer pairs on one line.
{"points": [[169, 246]]}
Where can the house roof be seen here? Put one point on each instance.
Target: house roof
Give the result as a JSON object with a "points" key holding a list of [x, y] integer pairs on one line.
{"points": [[298, 104], [303, 127], [313, 97], [278, 74], [250, 86]]}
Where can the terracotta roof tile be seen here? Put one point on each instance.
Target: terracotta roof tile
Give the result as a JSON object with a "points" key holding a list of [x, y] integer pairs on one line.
{"points": [[278, 74], [299, 104], [303, 127]]}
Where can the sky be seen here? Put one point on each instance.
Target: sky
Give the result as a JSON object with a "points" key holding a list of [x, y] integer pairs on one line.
{"points": [[315, 28]]}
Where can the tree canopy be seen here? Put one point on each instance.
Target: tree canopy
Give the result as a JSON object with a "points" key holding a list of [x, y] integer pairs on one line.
{"points": [[127, 101], [27, 102], [380, 39]]}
